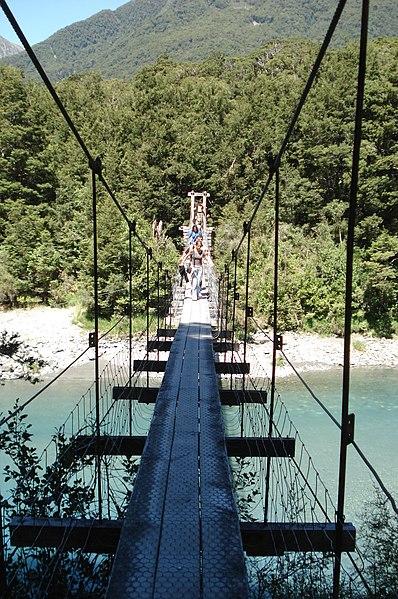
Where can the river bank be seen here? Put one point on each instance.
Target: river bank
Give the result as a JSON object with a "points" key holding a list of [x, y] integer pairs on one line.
{"points": [[50, 340], [307, 352]]}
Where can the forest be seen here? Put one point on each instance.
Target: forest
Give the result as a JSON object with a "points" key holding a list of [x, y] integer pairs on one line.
{"points": [[212, 126], [118, 43]]}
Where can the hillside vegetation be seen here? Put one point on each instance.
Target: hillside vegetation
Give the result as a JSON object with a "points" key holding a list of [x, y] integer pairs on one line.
{"points": [[117, 43], [207, 126]]}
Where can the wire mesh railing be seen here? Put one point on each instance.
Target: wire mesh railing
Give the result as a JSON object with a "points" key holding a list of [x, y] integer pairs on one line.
{"points": [[62, 483]]}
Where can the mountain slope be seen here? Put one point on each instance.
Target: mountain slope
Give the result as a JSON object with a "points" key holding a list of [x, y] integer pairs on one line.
{"points": [[116, 43], [8, 48]]}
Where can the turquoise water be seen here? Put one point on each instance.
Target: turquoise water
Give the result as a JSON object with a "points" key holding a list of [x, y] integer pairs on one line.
{"points": [[50, 409], [373, 400]]}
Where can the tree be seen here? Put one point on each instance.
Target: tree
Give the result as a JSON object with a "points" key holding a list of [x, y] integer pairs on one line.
{"points": [[380, 547]]}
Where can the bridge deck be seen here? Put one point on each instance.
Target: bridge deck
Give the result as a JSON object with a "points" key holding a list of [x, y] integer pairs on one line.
{"points": [[181, 536]]}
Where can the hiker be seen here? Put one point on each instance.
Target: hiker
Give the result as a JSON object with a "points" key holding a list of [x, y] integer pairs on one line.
{"points": [[197, 254], [181, 266], [194, 234]]}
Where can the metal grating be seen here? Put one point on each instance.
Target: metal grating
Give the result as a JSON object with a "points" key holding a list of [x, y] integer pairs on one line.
{"points": [[181, 537]]}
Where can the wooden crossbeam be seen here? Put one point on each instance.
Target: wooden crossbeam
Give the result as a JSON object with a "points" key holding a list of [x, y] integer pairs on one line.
{"points": [[236, 446], [224, 346], [93, 536], [232, 368], [150, 365], [109, 445], [274, 447], [102, 536], [221, 367], [218, 346], [219, 339], [143, 394], [228, 397], [276, 538], [235, 397], [166, 332], [159, 345], [220, 335]]}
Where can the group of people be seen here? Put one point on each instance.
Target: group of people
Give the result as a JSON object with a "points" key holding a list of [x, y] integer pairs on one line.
{"points": [[196, 255]]}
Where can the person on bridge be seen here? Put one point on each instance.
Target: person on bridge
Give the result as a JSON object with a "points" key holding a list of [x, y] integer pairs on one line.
{"points": [[198, 255], [181, 266], [194, 234]]}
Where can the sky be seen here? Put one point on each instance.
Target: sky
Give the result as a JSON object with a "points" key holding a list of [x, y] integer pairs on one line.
{"points": [[39, 19]]}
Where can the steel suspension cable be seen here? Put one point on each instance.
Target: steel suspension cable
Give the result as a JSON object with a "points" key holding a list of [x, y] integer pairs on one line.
{"points": [[275, 333], [130, 325], [346, 436], [96, 335], [24, 405]]}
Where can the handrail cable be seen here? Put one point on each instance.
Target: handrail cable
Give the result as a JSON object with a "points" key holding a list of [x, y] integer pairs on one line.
{"points": [[305, 478], [23, 406], [279, 433], [311, 78], [309, 487], [353, 443]]}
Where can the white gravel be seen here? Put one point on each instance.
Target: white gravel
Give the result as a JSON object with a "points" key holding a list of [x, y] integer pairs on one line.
{"points": [[314, 352], [50, 335]]}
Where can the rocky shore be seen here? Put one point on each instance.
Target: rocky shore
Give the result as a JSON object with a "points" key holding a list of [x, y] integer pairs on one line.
{"points": [[49, 341], [314, 352]]}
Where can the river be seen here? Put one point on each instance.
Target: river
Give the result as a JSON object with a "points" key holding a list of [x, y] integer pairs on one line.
{"points": [[373, 400]]}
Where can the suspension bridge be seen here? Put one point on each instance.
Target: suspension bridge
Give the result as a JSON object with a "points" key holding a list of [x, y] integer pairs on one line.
{"points": [[181, 534], [148, 490]]}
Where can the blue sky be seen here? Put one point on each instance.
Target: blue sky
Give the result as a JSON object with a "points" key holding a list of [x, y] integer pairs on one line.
{"points": [[39, 19]]}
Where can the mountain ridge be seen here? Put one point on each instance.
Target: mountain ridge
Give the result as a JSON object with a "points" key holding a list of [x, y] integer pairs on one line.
{"points": [[8, 48], [118, 42]]}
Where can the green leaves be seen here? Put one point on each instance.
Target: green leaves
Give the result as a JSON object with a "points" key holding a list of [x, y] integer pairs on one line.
{"points": [[381, 283], [64, 489], [209, 126]]}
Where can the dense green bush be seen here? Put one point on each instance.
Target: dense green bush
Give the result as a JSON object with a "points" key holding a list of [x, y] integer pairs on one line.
{"points": [[210, 126]]}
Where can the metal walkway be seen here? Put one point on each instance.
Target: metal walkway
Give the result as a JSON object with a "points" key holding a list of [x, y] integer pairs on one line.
{"points": [[181, 536]]}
